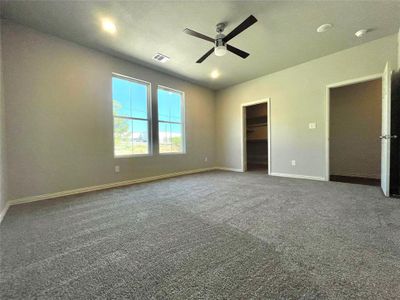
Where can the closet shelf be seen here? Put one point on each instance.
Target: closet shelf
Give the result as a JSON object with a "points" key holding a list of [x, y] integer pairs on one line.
{"points": [[256, 140], [257, 125], [257, 117]]}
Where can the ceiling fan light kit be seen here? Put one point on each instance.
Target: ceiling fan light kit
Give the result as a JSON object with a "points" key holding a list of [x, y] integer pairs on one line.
{"points": [[220, 42], [220, 50], [220, 47]]}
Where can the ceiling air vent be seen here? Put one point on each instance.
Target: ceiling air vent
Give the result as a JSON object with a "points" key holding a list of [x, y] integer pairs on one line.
{"points": [[161, 58]]}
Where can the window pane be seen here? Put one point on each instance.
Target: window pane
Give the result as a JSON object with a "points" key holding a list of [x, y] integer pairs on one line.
{"points": [[164, 137], [139, 100], [129, 98], [140, 137], [170, 137], [121, 97], [122, 136], [169, 106], [176, 138]]}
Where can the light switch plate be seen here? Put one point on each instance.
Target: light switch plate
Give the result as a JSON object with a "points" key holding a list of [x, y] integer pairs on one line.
{"points": [[312, 125]]}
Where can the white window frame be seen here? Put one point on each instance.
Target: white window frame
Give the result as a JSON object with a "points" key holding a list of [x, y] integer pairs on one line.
{"points": [[149, 116], [183, 120]]}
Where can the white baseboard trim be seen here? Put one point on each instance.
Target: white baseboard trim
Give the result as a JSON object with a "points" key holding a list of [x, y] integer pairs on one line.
{"points": [[103, 186], [3, 212], [298, 176], [131, 182], [373, 176], [228, 169]]}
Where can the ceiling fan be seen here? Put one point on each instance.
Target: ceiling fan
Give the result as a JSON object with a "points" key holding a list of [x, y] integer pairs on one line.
{"points": [[220, 42]]}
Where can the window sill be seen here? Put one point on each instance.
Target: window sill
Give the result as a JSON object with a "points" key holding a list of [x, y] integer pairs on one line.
{"points": [[132, 156], [173, 153]]}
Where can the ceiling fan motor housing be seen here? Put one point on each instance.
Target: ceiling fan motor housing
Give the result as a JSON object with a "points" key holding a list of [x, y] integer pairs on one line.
{"points": [[220, 46]]}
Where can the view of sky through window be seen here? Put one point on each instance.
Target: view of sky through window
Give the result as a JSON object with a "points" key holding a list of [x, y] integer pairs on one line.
{"points": [[131, 118], [170, 123], [131, 132]]}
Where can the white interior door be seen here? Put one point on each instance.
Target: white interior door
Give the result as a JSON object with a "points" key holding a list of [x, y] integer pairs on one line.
{"points": [[385, 137]]}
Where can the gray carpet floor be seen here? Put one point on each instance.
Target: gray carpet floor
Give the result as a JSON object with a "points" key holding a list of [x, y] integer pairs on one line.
{"points": [[214, 235]]}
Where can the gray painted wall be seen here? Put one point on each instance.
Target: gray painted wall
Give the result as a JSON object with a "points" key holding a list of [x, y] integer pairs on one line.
{"points": [[49, 81], [59, 117], [298, 97], [3, 193], [355, 126]]}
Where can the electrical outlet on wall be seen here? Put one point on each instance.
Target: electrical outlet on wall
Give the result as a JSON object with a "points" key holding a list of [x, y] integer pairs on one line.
{"points": [[293, 163], [205, 159], [116, 169], [312, 125]]}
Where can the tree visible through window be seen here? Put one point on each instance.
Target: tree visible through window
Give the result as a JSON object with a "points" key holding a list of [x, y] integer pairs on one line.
{"points": [[170, 121], [131, 116]]}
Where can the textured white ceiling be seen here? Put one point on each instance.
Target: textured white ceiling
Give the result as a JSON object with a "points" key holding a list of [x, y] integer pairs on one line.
{"points": [[285, 34]]}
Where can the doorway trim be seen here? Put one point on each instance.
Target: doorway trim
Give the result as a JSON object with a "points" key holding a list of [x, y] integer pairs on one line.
{"points": [[327, 111], [243, 146]]}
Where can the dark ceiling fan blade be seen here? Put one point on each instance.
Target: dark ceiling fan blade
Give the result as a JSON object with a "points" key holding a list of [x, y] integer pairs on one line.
{"points": [[198, 35], [201, 59], [242, 26], [237, 51]]}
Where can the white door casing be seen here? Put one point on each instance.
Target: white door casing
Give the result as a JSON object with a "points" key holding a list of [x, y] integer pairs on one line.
{"points": [[385, 136]]}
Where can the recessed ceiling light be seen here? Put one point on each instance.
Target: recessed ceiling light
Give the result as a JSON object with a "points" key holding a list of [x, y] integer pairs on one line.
{"points": [[214, 74], [361, 33], [324, 27], [108, 26]]}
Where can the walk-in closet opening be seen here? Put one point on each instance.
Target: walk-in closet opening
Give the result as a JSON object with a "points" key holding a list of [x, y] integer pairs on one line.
{"points": [[256, 137]]}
